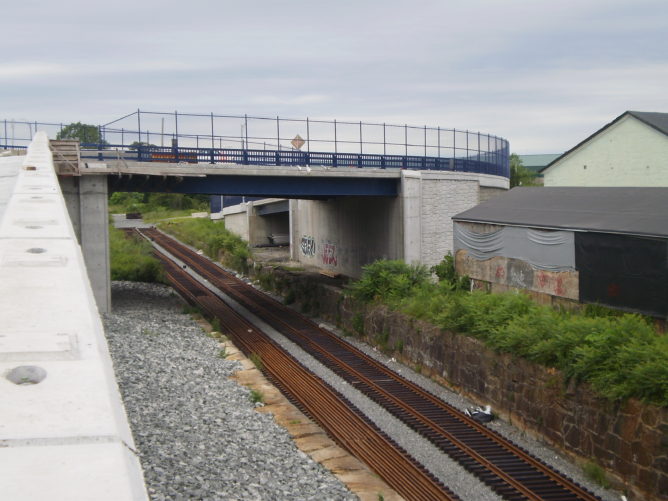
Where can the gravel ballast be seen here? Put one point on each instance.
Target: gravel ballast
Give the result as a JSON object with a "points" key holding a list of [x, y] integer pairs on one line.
{"points": [[197, 432]]}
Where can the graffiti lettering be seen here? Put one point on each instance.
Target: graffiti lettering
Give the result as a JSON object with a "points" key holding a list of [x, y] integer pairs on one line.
{"points": [[308, 246], [329, 254]]}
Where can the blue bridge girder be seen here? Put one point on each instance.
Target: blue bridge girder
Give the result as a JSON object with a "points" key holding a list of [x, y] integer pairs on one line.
{"points": [[303, 186]]}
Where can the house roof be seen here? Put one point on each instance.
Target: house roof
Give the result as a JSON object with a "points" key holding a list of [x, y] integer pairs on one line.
{"points": [[536, 162], [658, 121], [632, 211]]}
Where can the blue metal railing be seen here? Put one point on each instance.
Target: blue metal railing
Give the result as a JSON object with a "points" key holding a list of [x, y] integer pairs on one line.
{"points": [[248, 140], [287, 158]]}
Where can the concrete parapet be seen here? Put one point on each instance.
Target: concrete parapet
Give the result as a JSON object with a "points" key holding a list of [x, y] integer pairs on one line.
{"points": [[64, 434]]}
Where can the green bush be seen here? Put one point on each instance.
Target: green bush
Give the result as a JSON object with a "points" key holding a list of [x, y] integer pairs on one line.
{"points": [[445, 271], [132, 259], [214, 240], [389, 281]]}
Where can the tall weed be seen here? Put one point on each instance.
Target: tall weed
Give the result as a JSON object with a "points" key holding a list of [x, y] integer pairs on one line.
{"points": [[132, 259], [389, 281], [214, 240]]}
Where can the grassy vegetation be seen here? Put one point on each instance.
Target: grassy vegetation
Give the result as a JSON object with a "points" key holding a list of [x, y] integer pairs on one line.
{"points": [[214, 240], [596, 474], [256, 396], [256, 358], [131, 259], [157, 206], [620, 355]]}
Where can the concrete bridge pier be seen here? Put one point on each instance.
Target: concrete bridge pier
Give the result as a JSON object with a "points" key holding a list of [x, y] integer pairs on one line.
{"points": [[86, 201]]}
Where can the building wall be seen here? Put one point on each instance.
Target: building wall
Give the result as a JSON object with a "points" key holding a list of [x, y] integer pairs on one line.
{"points": [[503, 273], [628, 153]]}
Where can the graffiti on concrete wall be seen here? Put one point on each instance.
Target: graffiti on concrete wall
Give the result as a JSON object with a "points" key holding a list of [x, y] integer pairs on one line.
{"points": [[519, 274], [551, 283], [308, 246], [329, 254]]}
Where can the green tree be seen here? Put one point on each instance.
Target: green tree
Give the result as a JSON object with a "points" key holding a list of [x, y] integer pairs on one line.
{"points": [[519, 174], [83, 132]]}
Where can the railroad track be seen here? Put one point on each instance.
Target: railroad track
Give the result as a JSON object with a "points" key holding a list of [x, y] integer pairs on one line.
{"points": [[505, 467], [337, 416]]}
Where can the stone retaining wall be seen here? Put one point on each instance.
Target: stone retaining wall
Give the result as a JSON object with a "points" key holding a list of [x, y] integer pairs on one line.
{"points": [[629, 440]]}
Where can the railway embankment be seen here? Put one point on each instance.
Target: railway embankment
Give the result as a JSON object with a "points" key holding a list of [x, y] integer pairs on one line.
{"points": [[628, 439]]}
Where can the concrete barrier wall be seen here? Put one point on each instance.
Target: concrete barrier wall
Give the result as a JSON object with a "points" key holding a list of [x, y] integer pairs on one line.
{"points": [[64, 434]]}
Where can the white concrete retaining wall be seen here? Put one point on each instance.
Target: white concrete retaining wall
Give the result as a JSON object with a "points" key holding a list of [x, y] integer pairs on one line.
{"points": [[67, 436]]}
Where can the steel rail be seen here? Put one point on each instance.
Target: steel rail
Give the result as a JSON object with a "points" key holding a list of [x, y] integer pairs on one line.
{"points": [[346, 425], [521, 472]]}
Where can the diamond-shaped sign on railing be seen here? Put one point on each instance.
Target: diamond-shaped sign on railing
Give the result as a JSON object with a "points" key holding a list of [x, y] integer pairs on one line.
{"points": [[298, 142]]}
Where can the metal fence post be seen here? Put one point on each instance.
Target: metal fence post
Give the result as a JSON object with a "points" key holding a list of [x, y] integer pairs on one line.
{"points": [[212, 143], [99, 141], [138, 126], [336, 150], [246, 129], [308, 137], [6, 134], [406, 139], [384, 142], [425, 141], [466, 160]]}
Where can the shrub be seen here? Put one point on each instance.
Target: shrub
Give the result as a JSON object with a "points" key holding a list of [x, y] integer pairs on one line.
{"points": [[445, 271], [132, 259], [389, 281], [480, 313]]}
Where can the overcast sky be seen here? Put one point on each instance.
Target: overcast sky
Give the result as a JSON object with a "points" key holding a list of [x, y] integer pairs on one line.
{"points": [[542, 74]]}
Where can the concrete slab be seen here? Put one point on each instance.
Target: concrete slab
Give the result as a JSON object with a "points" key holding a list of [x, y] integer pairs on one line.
{"points": [[64, 473]]}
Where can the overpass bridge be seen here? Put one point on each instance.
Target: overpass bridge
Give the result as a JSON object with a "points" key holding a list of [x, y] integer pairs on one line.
{"points": [[357, 191]]}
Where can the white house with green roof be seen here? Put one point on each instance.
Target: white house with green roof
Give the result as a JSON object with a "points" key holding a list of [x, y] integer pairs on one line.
{"points": [[632, 150]]}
